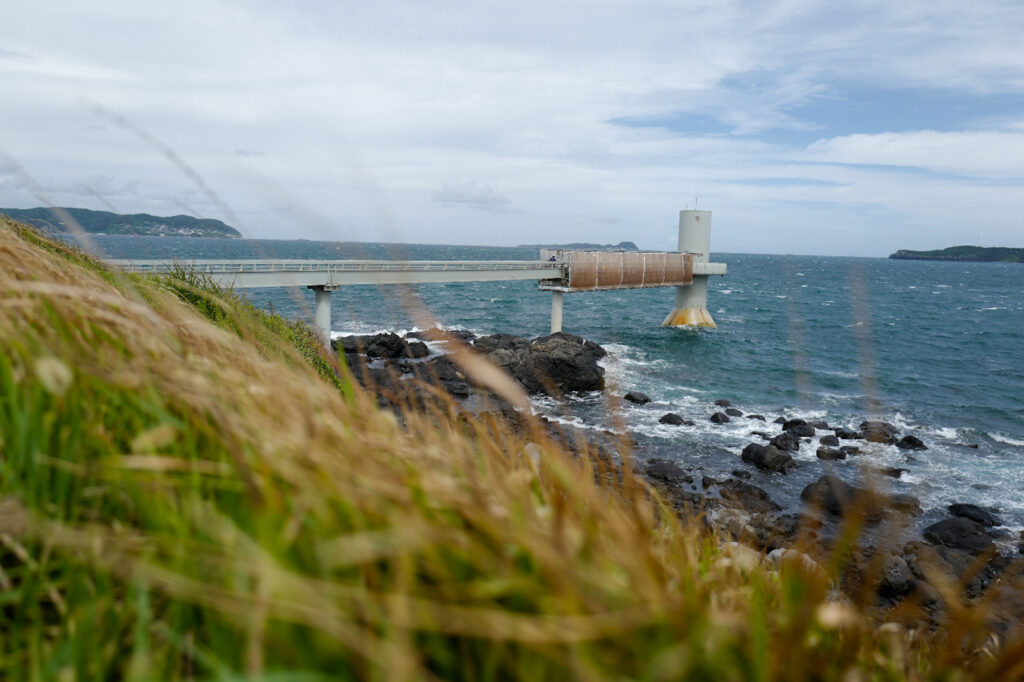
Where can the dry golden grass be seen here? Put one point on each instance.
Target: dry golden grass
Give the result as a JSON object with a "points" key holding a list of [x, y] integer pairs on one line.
{"points": [[187, 499]]}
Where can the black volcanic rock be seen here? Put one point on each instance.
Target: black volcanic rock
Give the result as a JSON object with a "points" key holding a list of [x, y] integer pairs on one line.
{"points": [[722, 402], [878, 432], [786, 441], [637, 397], [675, 420], [975, 513], [959, 533], [558, 363], [733, 412], [768, 458], [839, 498], [845, 434], [829, 440], [667, 472], [910, 443], [719, 418], [830, 454], [747, 496]]}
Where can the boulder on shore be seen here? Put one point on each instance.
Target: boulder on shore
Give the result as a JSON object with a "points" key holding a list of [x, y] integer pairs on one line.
{"points": [[719, 418], [910, 443], [975, 513], [839, 498], [878, 432], [747, 496], [558, 363], [830, 454], [637, 398], [786, 441], [768, 458], [959, 533], [799, 428], [675, 420]]}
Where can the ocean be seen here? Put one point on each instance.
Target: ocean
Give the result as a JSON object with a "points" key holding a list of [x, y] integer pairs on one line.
{"points": [[932, 347]]}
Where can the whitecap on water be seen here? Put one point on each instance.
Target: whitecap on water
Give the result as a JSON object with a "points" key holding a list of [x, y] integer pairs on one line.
{"points": [[1007, 440]]}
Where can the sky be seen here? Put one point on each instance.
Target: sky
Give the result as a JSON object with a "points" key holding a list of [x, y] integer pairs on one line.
{"points": [[805, 127]]}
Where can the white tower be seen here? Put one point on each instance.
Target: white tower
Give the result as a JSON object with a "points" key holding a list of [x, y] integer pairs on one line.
{"points": [[691, 302]]}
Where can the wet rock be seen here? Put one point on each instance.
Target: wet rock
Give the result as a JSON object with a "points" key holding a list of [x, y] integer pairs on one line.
{"points": [[910, 443], [667, 472], [722, 402], [747, 496], [768, 458], [772, 531], [895, 578], [779, 420], [786, 441], [558, 363], [818, 424], [893, 472], [839, 498], [569, 361], [849, 450], [798, 427], [845, 434], [959, 533], [759, 417], [386, 345], [740, 473], [719, 418], [733, 412], [830, 454], [975, 513], [706, 482], [637, 398], [762, 434], [959, 566], [829, 440], [675, 420], [463, 335], [878, 432]]}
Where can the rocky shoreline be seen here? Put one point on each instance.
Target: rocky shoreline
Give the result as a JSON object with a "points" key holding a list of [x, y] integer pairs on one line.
{"points": [[896, 567]]}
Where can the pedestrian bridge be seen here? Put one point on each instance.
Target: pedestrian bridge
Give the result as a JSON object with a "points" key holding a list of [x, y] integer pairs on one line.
{"points": [[558, 271]]}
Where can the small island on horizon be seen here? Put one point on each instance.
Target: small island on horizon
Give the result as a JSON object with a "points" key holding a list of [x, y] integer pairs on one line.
{"points": [[106, 222], [967, 254], [583, 246]]}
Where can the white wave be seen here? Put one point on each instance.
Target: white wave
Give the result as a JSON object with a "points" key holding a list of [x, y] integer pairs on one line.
{"points": [[1007, 440], [724, 291], [995, 308], [944, 432]]}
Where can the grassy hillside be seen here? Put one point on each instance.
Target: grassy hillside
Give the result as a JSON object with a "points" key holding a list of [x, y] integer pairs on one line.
{"points": [[190, 489]]}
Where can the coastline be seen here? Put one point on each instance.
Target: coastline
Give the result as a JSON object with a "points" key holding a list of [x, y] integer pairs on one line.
{"points": [[966, 535]]}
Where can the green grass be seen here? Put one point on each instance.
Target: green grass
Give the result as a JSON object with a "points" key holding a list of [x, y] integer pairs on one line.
{"points": [[190, 488]]}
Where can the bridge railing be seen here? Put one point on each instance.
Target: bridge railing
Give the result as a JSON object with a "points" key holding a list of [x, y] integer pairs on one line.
{"points": [[239, 266]]}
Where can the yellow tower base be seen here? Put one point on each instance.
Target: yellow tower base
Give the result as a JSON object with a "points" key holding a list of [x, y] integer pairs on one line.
{"points": [[689, 317]]}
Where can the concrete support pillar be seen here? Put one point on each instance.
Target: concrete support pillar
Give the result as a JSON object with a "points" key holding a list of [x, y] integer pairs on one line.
{"points": [[691, 309], [556, 311], [322, 314]]}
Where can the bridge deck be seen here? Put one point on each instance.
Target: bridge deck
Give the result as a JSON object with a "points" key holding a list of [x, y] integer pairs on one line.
{"points": [[277, 273], [331, 273]]}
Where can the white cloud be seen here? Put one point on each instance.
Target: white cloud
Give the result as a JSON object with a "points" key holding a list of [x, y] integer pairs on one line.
{"points": [[365, 111]]}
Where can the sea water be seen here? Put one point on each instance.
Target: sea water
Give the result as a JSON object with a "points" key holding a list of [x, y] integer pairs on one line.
{"points": [[933, 347]]}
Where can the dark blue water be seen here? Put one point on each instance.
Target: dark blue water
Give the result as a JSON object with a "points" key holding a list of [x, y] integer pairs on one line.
{"points": [[935, 348]]}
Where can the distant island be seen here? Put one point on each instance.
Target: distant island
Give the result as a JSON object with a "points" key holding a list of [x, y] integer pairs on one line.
{"points": [[969, 254], [105, 222], [584, 246]]}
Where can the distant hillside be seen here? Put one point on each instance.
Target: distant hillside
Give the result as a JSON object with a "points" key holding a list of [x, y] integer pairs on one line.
{"points": [[584, 246], [970, 254], [105, 222]]}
